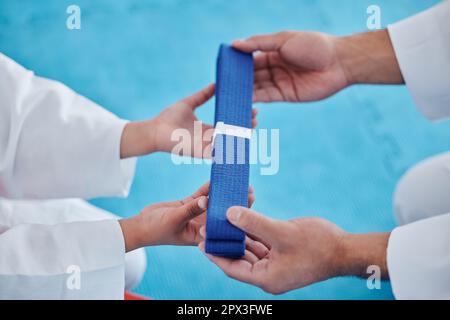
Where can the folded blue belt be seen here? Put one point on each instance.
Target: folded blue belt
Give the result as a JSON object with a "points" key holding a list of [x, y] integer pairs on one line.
{"points": [[230, 166]]}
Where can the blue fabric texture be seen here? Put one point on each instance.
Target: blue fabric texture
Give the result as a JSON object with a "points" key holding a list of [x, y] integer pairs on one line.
{"points": [[230, 167]]}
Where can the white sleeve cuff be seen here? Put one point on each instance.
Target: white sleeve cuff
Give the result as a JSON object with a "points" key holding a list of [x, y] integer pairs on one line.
{"points": [[418, 259], [118, 173], [422, 47]]}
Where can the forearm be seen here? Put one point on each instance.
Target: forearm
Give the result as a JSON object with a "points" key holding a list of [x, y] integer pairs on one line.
{"points": [[132, 234], [368, 58], [359, 251], [138, 138]]}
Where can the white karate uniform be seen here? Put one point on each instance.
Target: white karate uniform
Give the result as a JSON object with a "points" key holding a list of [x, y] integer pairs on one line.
{"points": [[55, 143], [419, 250]]}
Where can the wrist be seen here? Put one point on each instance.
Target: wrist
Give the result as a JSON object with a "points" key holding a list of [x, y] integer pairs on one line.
{"points": [[138, 138], [132, 233], [359, 251], [368, 58]]}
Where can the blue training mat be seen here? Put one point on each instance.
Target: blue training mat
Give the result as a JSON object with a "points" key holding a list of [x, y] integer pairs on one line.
{"points": [[230, 168]]}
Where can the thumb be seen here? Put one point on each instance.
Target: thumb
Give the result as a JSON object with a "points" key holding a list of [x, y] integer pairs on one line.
{"points": [[268, 42], [254, 223], [191, 209], [200, 97]]}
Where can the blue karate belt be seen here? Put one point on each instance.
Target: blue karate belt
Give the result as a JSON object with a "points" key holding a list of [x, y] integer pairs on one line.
{"points": [[230, 166]]}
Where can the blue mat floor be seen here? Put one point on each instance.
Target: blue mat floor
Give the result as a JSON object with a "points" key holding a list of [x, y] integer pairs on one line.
{"points": [[339, 158]]}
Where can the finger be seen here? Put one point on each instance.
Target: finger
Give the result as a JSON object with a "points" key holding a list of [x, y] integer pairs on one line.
{"points": [[262, 75], [254, 114], [254, 223], [202, 191], [191, 209], [279, 89], [268, 42], [251, 199], [271, 76], [274, 94], [207, 152], [269, 94], [254, 244], [250, 257], [166, 204], [260, 240], [274, 77], [260, 95], [267, 60], [199, 221], [254, 252], [237, 269], [200, 97], [208, 134], [254, 241], [261, 61], [256, 247]]}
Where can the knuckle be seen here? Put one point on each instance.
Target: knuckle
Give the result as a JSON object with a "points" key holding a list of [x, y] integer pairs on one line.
{"points": [[193, 209]]}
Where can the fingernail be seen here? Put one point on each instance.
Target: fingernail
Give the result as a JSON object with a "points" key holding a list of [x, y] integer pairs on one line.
{"points": [[234, 214], [202, 203]]}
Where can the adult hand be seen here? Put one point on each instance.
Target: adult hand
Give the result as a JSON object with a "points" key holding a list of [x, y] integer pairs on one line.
{"points": [[285, 255], [170, 223], [306, 66], [153, 135]]}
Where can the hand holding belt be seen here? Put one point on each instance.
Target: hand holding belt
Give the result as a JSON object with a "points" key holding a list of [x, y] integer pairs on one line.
{"points": [[230, 168]]}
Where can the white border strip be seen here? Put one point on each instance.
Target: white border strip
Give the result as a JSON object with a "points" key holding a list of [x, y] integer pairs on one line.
{"points": [[231, 130]]}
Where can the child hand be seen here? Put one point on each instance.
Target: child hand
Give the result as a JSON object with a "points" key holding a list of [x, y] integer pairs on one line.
{"points": [[181, 116], [170, 223], [153, 135]]}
